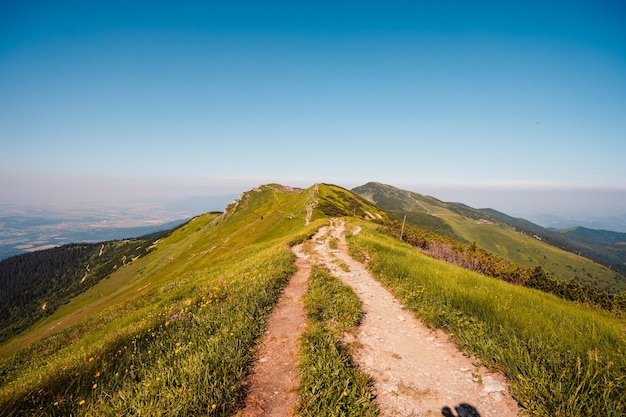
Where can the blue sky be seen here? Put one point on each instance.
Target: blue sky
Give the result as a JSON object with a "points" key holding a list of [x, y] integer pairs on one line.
{"points": [[120, 100]]}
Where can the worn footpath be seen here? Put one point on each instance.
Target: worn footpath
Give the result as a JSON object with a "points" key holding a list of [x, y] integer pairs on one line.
{"points": [[415, 371]]}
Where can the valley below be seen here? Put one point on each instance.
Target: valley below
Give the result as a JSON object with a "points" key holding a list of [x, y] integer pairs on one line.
{"points": [[28, 229]]}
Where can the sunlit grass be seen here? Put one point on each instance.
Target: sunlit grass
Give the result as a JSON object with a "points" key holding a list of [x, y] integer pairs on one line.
{"points": [[563, 359], [170, 334], [330, 383], [187, 355]]}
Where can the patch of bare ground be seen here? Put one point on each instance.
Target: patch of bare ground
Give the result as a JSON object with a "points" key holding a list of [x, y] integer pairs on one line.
{"points": [[274, 379], [416, 371]]}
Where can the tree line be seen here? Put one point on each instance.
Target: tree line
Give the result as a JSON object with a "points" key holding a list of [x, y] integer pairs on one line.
{"points": [[469, 256], [33, 285]]}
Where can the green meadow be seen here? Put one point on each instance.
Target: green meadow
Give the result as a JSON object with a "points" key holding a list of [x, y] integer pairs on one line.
{"points": [[563, 359], [171, 333]]}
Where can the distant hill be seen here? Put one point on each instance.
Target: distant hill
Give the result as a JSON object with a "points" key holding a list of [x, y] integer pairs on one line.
{"points": [[597, 236], [615, 223], [568, 257], [603, 246]]}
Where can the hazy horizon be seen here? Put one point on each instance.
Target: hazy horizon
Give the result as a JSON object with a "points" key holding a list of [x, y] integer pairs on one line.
{"points": [[517, 107], [545, 206]]}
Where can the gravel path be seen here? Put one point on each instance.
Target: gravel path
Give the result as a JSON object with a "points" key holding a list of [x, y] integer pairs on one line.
{"points": [[416, 371]]}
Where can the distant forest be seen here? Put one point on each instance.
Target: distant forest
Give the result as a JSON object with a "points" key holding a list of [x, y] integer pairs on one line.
{"points": [[605, 247], [34, 285]]}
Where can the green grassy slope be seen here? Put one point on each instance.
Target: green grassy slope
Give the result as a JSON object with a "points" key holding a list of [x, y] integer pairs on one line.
{"points": [[34, 285], [491, 234], [172, 331], [563, 359]]}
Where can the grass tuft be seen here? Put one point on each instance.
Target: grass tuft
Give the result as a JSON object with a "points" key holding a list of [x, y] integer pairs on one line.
{"points": [[330, 383]]}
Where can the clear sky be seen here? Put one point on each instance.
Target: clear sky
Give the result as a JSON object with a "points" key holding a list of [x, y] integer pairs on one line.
{"points": [[131, 99]]}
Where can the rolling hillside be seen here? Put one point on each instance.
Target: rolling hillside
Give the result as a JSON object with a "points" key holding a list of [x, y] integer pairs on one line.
{"points": [[35, 285], [174, 331], [603, 246], [257, 216], [515, 239]]}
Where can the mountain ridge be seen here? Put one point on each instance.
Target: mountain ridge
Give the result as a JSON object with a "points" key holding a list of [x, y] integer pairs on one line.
{"points": [[514, 238]]}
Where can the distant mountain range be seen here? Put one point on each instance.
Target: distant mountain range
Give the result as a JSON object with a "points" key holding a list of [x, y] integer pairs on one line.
{"points": [[517, 239], [563, 221]]}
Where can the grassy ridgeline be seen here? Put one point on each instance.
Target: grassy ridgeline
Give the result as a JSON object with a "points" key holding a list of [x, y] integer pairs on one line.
{"points": [[563, 359], [180, 350], [170, 333]]}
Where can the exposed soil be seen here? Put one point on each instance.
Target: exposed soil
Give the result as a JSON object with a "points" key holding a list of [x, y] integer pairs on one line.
{"points": [[274, 380], [415, 371]]}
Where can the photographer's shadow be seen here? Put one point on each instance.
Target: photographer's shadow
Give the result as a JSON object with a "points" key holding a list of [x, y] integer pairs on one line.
{"points": [[462, 410]]}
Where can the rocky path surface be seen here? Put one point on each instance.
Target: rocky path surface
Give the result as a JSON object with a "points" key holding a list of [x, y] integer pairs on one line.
{"points": [[416, 371]]}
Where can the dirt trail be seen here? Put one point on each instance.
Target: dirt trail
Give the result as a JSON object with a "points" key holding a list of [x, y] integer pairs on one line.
{"points": [[274, 380], [416, 371]]}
